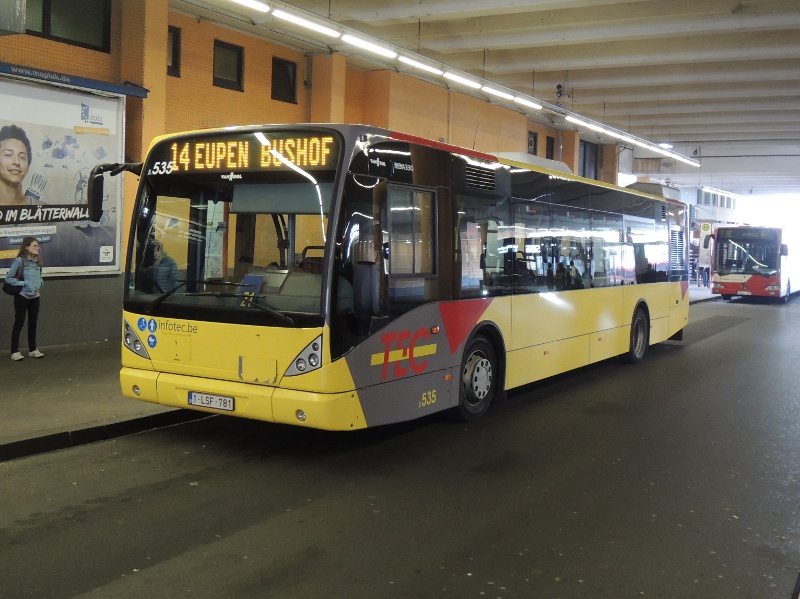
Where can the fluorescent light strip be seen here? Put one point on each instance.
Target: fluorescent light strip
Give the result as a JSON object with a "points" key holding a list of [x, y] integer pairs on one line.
{"points": [[369, 46], [631, 140], [594, 127], [572, 119], [462, 80], [528, 103], [254, 4], [497, 92], [419, 65], [304, 23]]}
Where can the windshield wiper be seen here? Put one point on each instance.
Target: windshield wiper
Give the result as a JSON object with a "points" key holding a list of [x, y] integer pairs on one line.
{"points": [[160, 299], [247, 301]]}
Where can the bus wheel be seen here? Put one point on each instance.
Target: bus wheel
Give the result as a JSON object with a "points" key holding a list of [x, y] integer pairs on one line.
{"points": [[478, 379], [640, 337]]}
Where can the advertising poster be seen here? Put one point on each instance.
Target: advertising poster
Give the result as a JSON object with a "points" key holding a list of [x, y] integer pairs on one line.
{"points": [[50, 139]]}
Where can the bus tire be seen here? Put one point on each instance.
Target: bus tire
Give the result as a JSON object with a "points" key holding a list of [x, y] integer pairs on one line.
{"points": [[640, 337], [726, 297], [478, 380]]}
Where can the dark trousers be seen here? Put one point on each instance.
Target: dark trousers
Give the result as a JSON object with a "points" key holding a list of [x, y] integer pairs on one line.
{"points": [[23, 306]]}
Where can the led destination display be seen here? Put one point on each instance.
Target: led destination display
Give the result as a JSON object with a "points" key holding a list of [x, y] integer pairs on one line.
{"points": [[248, 152]]}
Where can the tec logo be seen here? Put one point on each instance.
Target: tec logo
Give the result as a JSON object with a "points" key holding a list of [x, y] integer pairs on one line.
{"points": [[401, 346]]}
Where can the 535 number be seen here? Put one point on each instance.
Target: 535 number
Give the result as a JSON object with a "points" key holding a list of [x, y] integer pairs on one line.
{"points": [[428, 398], [160, 168]]}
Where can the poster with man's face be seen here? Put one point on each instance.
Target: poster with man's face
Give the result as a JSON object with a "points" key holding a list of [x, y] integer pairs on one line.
{"points": [[50, 139]]}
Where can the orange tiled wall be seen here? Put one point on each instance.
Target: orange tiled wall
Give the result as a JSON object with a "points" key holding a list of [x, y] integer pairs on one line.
{"points": [[192, 100], [39, 53]]}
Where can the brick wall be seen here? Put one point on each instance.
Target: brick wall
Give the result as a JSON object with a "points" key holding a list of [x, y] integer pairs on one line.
{"points": [[194, 103]]}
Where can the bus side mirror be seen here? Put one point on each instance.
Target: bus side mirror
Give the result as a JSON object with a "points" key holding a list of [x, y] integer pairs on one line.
{"points": [[94, 193], [707, 241], [94, 185], [784, 249]]}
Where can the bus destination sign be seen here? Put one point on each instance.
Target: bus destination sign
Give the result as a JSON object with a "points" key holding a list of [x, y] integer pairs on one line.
{"points": [[217, 154]]}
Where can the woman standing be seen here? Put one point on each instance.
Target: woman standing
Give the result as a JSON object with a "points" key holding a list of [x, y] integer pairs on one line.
{"points": [[26, 272]]}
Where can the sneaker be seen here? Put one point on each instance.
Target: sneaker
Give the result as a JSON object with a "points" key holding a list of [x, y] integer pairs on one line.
{"points": [[36, 354], [16, 356]]}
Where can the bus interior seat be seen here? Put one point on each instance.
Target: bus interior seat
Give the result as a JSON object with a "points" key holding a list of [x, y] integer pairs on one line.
{"points": [[312, 264]]}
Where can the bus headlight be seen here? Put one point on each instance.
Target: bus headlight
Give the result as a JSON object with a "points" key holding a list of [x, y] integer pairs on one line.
{"points": [[133, 343], [307, 360]]}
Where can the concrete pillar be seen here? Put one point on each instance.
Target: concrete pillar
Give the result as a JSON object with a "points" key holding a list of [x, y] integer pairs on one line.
{"points": [[328, 75], [609, 163], [144, 62]]}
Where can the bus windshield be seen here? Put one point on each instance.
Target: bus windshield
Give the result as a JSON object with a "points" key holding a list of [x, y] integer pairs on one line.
{"points": [[232, 228], [747, 251]]}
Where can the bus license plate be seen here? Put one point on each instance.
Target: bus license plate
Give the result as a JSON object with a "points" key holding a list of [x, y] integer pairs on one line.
{"points": [[207, 400], [744, 293]]}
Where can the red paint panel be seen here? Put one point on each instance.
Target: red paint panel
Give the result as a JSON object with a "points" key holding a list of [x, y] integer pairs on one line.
{"points": [[459, 319], [442, 146]]}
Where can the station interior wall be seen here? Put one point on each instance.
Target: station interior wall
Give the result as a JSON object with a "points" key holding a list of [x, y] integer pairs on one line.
{"points": [[328, 90]]}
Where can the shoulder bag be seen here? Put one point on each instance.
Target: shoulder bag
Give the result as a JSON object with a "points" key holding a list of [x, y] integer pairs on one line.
{"points": [[15, 289]]}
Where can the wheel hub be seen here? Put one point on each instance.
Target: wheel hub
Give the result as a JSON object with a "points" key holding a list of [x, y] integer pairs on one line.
{"points": [[477, 378]]}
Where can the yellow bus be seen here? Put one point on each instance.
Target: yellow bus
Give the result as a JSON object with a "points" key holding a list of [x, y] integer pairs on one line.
{"points": [[346, 276]]}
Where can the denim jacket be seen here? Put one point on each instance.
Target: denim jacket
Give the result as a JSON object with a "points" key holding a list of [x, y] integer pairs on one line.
{"points": [[32, 282]]}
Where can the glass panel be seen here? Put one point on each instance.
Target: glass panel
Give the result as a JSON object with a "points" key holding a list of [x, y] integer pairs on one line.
{"points": [[569, 246], [401, 254], [227, 65], [174, 52], [68, 20], [33, 15], [747, 252], [201, 251], [532, 272], [424, 237], [284, 80], [412, 232], [482, 234], [605, 250]]}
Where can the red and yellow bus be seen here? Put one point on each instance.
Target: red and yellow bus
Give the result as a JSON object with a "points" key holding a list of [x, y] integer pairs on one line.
{"points": [[345, 276], [752, 261]]}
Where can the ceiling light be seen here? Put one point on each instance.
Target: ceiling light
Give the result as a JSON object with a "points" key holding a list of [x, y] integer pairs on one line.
{"points": [[369, 46], [419, 65], [497, 92], [528, 103], [462, 80], [254, 4], [666, 146], [589, 125], [304, 23], [594, 127], [578, 122]]}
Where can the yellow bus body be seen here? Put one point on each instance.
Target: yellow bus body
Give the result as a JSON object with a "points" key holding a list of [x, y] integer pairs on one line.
{"points": [[236, 361], [544, 334]]}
